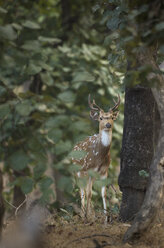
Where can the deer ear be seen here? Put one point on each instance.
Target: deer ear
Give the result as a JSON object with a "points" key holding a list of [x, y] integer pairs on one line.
{"points": [[115, 115], [94, 115]]}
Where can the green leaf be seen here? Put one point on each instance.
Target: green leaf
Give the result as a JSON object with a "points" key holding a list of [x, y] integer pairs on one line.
{"points": [[83, 76], [49, 40], [47, 79], [2, 90], [4, 110], [73, 168], [31, 25], [45, 183], [63, 147], [47, 196], [67, 96], [58, 121], [17, 26], [82, 182], [80, 125], [24, 108], [144, 173], [35, 144], [39, 170], [65, 184], [33, 69], [45, 66], [19, 160], [95, 7], [161, 49], [7, 32], [93, 174], [54, 135], [27, 185], [2, 10], [31, 45], [113, 23], [77, 154], [159, 26], [100, 182]]}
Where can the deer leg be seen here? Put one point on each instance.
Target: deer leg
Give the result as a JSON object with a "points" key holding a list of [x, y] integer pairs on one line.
{"points": [[89, 196], [82, 195], [103, 194]]}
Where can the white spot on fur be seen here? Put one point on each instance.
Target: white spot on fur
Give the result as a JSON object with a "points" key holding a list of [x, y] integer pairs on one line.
{"points": [[106, 138]]}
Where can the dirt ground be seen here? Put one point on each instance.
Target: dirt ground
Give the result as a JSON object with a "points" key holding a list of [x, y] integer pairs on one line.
{"points": [[97, 235], [63, 232]]}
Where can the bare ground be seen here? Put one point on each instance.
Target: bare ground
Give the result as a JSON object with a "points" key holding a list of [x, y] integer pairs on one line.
{"points": [[97, 235], [71, 232]]}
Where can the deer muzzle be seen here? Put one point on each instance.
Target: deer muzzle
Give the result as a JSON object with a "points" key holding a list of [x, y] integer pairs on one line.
{"points": [[108, 125]]}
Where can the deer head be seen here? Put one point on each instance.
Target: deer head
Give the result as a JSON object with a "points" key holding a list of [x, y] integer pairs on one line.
{"points": [[105, 119]]}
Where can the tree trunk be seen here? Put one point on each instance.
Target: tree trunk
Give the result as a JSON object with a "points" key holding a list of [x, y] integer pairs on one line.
{"points": [[2, 208], [141, 125], [154, 194]]}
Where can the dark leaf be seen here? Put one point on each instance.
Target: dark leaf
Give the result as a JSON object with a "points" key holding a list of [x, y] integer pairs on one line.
{"points": [[19, 160], [27, 185]]}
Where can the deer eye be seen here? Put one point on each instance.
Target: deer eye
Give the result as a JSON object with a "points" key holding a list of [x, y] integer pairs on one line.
{"points": [[101, 118]]}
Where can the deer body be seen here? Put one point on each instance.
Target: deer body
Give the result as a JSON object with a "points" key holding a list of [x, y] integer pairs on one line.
{"points": [[98, 154], [97, 157]]}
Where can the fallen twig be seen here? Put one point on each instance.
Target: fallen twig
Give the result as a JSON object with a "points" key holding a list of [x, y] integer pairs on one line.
{"points": [[88, 237], [17, 208]]}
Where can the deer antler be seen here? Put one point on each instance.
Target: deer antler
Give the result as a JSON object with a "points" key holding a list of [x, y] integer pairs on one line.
{"points": [[91, 105], [116, 104], [94, 108]]}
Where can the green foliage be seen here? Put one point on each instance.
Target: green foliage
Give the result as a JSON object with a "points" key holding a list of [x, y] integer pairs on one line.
{"points": [[38, 171], [134, 27], [27, 185], [18, 160], [67, 96], [77, 154], [45, 183], [49, 65], [143, 173]]}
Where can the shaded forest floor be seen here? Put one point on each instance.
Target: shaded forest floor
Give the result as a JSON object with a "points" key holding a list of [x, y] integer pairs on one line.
{"points": [[61, 232], [96, 235]]}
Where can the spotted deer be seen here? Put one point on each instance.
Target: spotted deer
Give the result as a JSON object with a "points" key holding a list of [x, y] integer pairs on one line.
{"points": [[97, 148]]}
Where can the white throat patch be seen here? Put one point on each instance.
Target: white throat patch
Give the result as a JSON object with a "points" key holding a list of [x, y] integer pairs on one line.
{"points": [[106, 138]]}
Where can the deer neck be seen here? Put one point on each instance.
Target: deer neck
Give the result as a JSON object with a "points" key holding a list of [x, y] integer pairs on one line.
{"points": [[105, 138]]}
